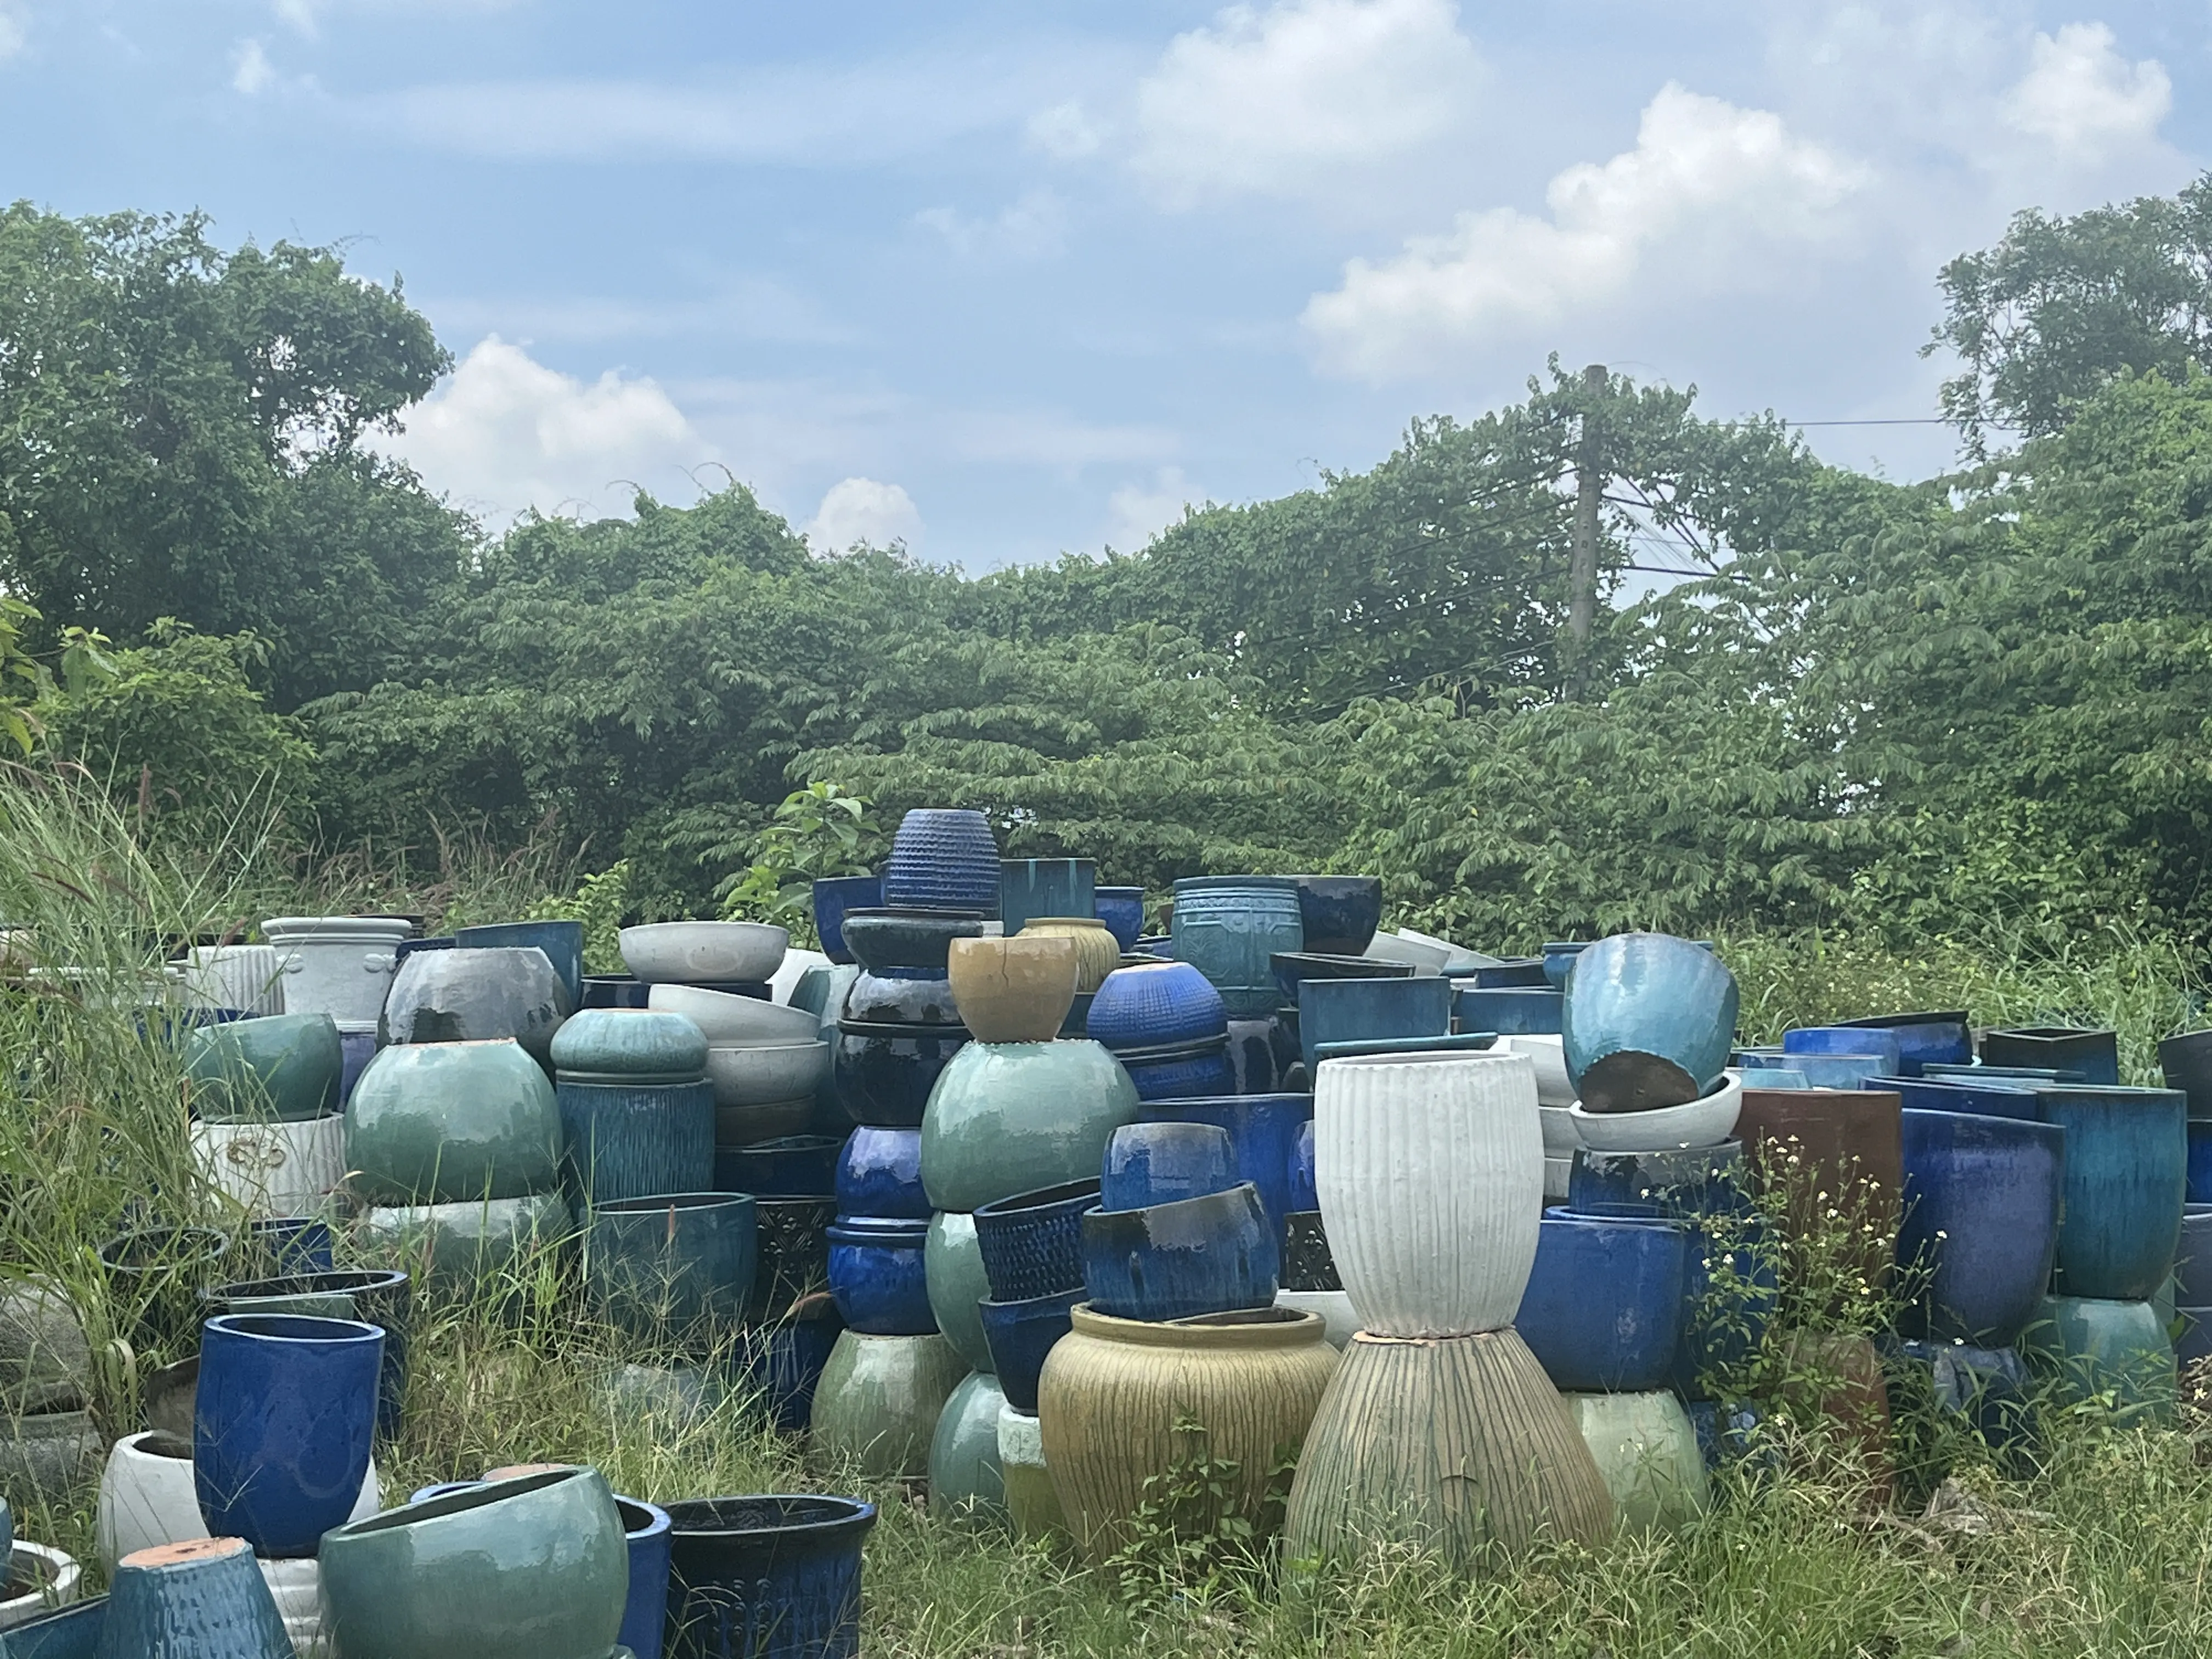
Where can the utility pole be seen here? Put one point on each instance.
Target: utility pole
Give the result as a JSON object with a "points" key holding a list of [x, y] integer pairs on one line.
{"points": [[1582, 579]]}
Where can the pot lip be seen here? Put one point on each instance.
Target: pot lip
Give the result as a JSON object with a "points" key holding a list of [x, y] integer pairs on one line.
{"points": [[1410, 1057], [314, 930], [747, 930], [655, 1524], [304, 1329], [1242, 1106], [900, 1028], [1900, 1022], [628, 1079], [135, 1446], [852, 1514], [1219, 884], [1090, 923], [1228, 1199], [651, 1202], [2116, 1095], [2033, 1128], [299, 1285], [448, 1505], [1056, 1196], [160, 1237], [879, 1228], [1066, 1298], [713, 1048], [776, 1146], [1197, 1048], [1242, 1327]]}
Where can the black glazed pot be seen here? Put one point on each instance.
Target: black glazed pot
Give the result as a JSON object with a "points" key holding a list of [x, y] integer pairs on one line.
{"points": [[1307, 1263], [2187, 1060], [908, 938], [799, 1164], [902, 996], [777, 1576], [159, 1273], [792, 1233], [1292, 968], [1340, 913], [885, 1073]]}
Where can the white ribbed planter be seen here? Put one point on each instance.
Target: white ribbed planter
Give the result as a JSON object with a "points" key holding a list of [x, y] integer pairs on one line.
{"points": [[273, 1169], [341, 966], [147, 1499], [248, 977], [1553, 1086], [1431, 1174]]}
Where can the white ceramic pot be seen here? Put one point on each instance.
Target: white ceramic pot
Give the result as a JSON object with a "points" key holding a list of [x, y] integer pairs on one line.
{"points": [[687, 952], [248, 977], [273, 1169], [341, 966], [1553, 1086], [147, 1498], [1703, 1122], [296, 1587], [1558, 1172], [51, 1580], [1647, 1451], [765, 1073], [1338, 1319], [1430, 1169], [731, 1021]]}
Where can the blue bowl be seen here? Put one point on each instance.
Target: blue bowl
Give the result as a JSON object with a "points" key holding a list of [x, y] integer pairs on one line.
{"points": [[1201, 1256], [1187, 1072], [1981, 1222], [1156, 1006], [1521, 1010], [1032, 1243], [1846, 1040], [876, 1275], [833, 896], [1122, 911], [1340, 914], [1649, 1020], [1020, 1335], [1603, 1309], [1263, 1128], [1161, 1162], [1365, 1010], [879, 1173], [1923, 1039]]}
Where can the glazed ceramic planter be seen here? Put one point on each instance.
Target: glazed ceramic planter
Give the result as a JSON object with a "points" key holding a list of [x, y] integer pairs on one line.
{"points": [[888, 940], [876, 1276], [70, 1632], [1938, 1038], [531, 1568], [1430, 1176], [2187, 1063], [382, 1298], [444, 1122], [2127, 1177], [601, 1044], [1514, 973], [1647, 1453], [155, 1278], [783, 1360], [467, 1250], [1832, 1151], [877, 1405], [1339, 914], [1032, 1501], [1031, 1244], [1122, 911], [703, 953], [272, 1168], [2093, 1348], [1154, 1006], [1228, 926], [1014, 1117], [1021, 1334], [1980, 1232], [146, 1497], [206, 1597], [1160, 1163], [965, 1483], [1846, 1040], [1308, 1264], [796, 1164], [631, 1140], [1186, 1072], [1302, 1194], [907, 996], [1559, 960], [1371, 1010], [833, 896], [952, 1264], [1097, 953], [1838, 1376], [2094, 1054], [1952, 1095], [2192, 1258], [879, 1173], [945, 859], [562, 942], [793, 1236], [341, 966], [1649, 1020], [760, 1074], [1706, 1122], [1014, 990], [249, 978], [1113, 1390], [646, 1535], [1032, 888], [729, 1021], [766, 1577], [356, 1047], [1186, 1260], [476, 996], [1512, 1011], [1263, 1130], [282, 1069], [1689, 1181], [885, 1073], [1603, 1310], [1292, 968], [281, 1245], [675, 1269]]}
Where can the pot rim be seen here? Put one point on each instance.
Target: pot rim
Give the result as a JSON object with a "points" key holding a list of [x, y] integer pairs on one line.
{"points": [[1039, 1198], [878, 1229], [1219, 884], [857, 1515], [299, 1285], [310, 1329], [649, 1203], [1196, 1049], [447, 1506], [1039, 1302], [656, 1524], [1428, 1057], [905, 1029], [1240, 1327]]}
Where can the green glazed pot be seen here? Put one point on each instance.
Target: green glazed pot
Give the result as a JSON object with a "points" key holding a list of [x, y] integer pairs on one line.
{"points": [[1647, 1455], [535, 1567], [285, 1068], [447, 1122], [463, 1248], [953, 1266], [877, 1405], [965, 1483], [2092, 1349], [643, 1044], [1014, 1117]]}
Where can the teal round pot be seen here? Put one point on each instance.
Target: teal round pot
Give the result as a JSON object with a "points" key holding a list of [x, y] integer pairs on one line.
{"points": [[877, 1404], [536, 1567], [647, 1045], [562, 942], [675, 1269], [487, 1246], [287, 1067], [952, 1266], [2127, 1178], [204, 1597], [1647, 1020], [964, 1482], [476, 996], [1228, 927], [443, 1122], [628, 1140], [2095, 1349], [1013, 1117], [1367, 1009]]}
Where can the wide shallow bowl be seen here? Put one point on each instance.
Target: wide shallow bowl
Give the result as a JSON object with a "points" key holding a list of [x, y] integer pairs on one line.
{"points": [[1200, 1256], [1706, 1121], [685, 952], [881, 939], [766, 1576], [733, 1021], [1156, 1005], [755, 1075]]}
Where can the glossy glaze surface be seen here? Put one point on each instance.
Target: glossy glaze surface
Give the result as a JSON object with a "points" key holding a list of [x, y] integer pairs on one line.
{"points": [[1156, 1005], [1982, 1198], [2127, 1178], [674, 1269], [1263, 1130], [879, 1400], [654, 1045], [1159, 1163], [877, 1275], [562, 942], [1371, 1010], [943, 857], [766, 1576], [1339, 914], [885, 1073], [1604, 1306], [965, 1486], [1031, 1244], [1228, 926], [1184, 1260], [1646, 1452], [1015, 1117], [1021, 1334], [953, 1264], [203, 1597], [833, 896], [1014, 990], [476, 996], [879, 1173], [287, 1067], [441, 1122], [1649, 1020], [630, 1140]]}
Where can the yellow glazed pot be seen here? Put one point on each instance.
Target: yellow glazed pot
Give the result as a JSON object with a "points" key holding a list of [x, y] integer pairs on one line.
{"points": [[1015, 990], [1098, 951]]}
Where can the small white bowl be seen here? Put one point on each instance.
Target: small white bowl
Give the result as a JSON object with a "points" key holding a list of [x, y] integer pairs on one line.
{"points": [[1704, 1122], [682, 952], [761, 1075], [732, 1021], [1560, 1138]]}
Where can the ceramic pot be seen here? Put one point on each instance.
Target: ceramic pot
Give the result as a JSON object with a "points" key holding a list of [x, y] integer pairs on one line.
{"points": [[448, 1122], [272, 1168], [1706, 1122], [1685, 1181], [965, 1483], [45, 1360], [1846, 1040], [1838, 1376], [1292, 968], [2187, 1063], [731, 1021], [1014, 1117], [1649, 1020], [1264, 1058], [762, 1074], [341, 966], [1832, 1150], [1431, 1174], [1122, 911], [1263, 1130], [1308, 1264], [793, 1237], [1950, 1095], [1021, 1334], [833, 896], [2094, 1054], [70, 1632], [646, 1535], [783, 1360], [1603, 1309], [953, 1264], [2127, 1177], [476, 996], [2090, 1347], [1513, 1011], [904, 996], [887, 941], [467, 1249], [878, 1403], [562, 942], [2192, 1258], [1032, 888], [1866, 1071], [535, 1567], [2200, 1161], [1558, 959], [356, 1047], [201, 1598], [1730, 1290], [154, 1277], [1014, 990], [1513, 973], [1096, 952], [879, 1173], [704, 953], [1185, 1260], [248, 977], [1163, 1005], [1187, 1072], [1160, 1163], [602, 1043], [1553, 1086], [1031, 1244], [675, 1269], [632, 1139], [383, 1299], [1647, 1453], [876, 1274], [741, 1125], [283, 1069], [766, 1577], [1939, 1038], [1303, 1195], [1228, 926], [1114, 1389], [1371, 1010], [1032, 1501], [146, 1497], [942, 857], [46, 1455], [1339, 914], [1992, 1389], [1980, 1227], [885, 1073], [796, 1164], [279, 1245]]}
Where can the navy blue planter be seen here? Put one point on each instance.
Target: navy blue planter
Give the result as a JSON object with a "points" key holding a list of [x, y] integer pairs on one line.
{"points": [[1188, 1071], [382, 1297], [356, 1050], [1847, 1040], [1161, 1163], [943, 858], [1264, 1129], [1981, 1223], [1264, 1057], [2192, 1258], [898, 938], [1990, 1387], [1020, 1335], [1952, 1095], [784, 1361], [1156, 1006], [1723, 1324], [1301, 1191], [900, 996], [1516, 973], [833, 896], [562, 942], [675, 1268], [2187, 1062], [2094, 1054], [1201, 1256], [1520, 1012], [630, 1140], [645, 1614], [766, 1577], [798, 1165], [72, 1633], [1603, 1310], [1924, 1039], [1368, 1010], [1688, 1181], [879, 1173], [2200, 1162], [281, 1426], [293, 1243], [877, 1277], [2127, 1177], [1031, 1244], [1340, 914], [1032, 888], [1122, 911], [885, 1073]]}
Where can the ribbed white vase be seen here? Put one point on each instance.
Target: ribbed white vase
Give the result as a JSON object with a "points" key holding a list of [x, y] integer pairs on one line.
{"points": [[273, 1169], [1431, 1174]]}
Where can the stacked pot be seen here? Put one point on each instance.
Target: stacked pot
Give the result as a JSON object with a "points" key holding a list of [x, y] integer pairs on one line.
{"points": [[1229, 929], [264, 1095], [1167, 1026], [342, 966], [763, 1059]]}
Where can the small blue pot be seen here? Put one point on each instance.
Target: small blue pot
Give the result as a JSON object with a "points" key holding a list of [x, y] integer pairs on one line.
{"points": [[784, 1361], [879, 1173], [383, 1297], [1847, 1040], [1519, 1012], [1339, 914], [356, 1050], [1031, 888], [1302, 1194], [770, 1576], [645, 1615], [1603, 1310], [943, 858], [1559, 960], [1649, 1020], [2200, 1162], [833, 896], [1981, 1222], [2127, 1178], [1202, 1256], [1924, 1039], [803, 1166], [1924, 1094], [1021, 1334], [562, 941], [1122, 911], [1186, 1072], [281, 1426], [1162, 1163], [1263, 1128], [633, 1139], [1031, 1244], [1228, 926], [295, 1243], [2094, 1054], [204, 1598], [1156, 1006], [877, 1275], [1368, 1010]]}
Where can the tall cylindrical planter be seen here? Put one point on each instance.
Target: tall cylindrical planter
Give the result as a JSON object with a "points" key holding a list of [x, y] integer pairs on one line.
{"points": [[769, 1577], [646, 1530], [1604, 1307], [1029, 888], [272, 1168], [1839, 1150], [629, 1139], [147, 1496], [1982, 1199], [1228, 926], [879, 1400], [1430, 1176], [450, 1122], [203, 1598], [384, 1298], [2127, 1177], [675, 1269]]}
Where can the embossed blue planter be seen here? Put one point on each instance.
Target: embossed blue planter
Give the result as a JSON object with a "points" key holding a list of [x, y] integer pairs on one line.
{"points": [[1228, 926], [646, 1530], [2095, 1054], [1951, 1095], [1263, 1128], [943, 858], [1846, 1040], [1032, 1242], [833, 896], [1029, 888], [1371, 1010], [1160, 1163], [1156, 1005], [1925, 1039], [1122, 911], [1021, 1334], [205, 1597], [1603, 1309], [1187, 1072], [1515, 1012], [2127, 1177], [1981, 1221], [282, 1425], [675, 1266], [877, 1275], [879, 1173], [1201, 1256], [562, 941], [629, 1139], [769, 1576], [794, 1165], [1649, 1020]]}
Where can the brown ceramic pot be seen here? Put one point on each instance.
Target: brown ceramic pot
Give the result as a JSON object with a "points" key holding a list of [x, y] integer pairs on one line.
{"points": [[1015, 990], [1832, 1149], [1839, 1376], [1098, 951]]}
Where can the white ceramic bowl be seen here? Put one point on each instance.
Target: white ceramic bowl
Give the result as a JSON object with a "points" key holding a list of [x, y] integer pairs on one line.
{"points": [[765, 1074], [1553, 1086], [1705, 1122], [681, 952], [1559, 1137], [732, 1021], [1557, 1173]]}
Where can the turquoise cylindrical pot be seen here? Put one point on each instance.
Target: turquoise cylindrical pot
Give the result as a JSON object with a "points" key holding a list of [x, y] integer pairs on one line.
{"points": [[953, 1264], [1230, 927], [964, 1482], [1648, 1020], [204, 1597], [2127, 1177], [444, 1122], [628, 1139], [1014, 1117], [2093, 1348], [285, 1068], [675, 1268]]}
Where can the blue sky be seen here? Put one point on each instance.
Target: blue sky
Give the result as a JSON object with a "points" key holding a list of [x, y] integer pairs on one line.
{"points": [[1003, 280]]}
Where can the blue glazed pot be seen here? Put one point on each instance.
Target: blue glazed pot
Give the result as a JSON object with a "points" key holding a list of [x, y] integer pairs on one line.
{"points": [[74, 1633], [1201, 1256], [1160, 1163], [1649, 1020], [884, 1073], [1603, 1309], [783, 1361], [943, 858], [1369, 1010], [2127, 1177], [617, 991], [1156, 1005], [1990, 1388], [630, 1140], [382, 1297], [1228, 926], [281, 1426], [1923, 1039], [2025, 1077], [879, 1173], [2094, 1054], [1263, 1128], [1029, 888], [1681, 1181], [902, 996], [2192, 1258], [205, 1597], [1847, 1040], [1981, 1223], [1189, 1071], [1822, 1071], [646, 1529], [1032, 1243], [1339, 914], [676, 1267], [1264, 1057], [877, 1275], [562, 941], [766, 1577], [2200, 1162], [1559, 960], [1021, 1334], [2187, 1062], [1521, 1012], [1292, 968], [1731, 1286], [1302, 1194], [898, 938], [2092, 1347], [356, 1047], [1122, 911], [1922, 1094], [1516, 973], [833, 896], [797, 1165], [2193, 1345], [291, 1244]]}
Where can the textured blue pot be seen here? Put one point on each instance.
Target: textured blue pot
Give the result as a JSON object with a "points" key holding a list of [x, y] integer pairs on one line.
{"points": [[1228, 926], [1847, 1040], [799, 1165], [1122, 911], [281, 1426], [201, 1600], [1949, 1094], [629, 1139], [943, 858], [1032, 1242], [1189, 1071], [2192, 1258], [783, 1361], [73, 1632], [766, 1577], [1981, 1223], [1156, 1005], [646, 1530], [1603, 1309], [1339, 914], [1175, 1261], [1303, 1195], [1160, 1163], [562, 941], [1371, 1010], [2094, 1054], [877, 1273], [833, 896], [1649, 1020], [1021, 1334], [1263, 1128], [1029, 888], [879, 1173], [2127, 1177], [2200, 1162], [1924, 1039], [1681, 1181], [1518, 1012], [676, 1267], [884, 1073], [291, 1244]]}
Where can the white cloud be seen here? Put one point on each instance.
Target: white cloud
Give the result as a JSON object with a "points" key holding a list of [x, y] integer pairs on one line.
{"points": [[1137, 512], [2082, 95], [1266, 101], [1734, 180], [863, 510], [1034, 228], [506, 432], [1065, 131], [14, 33], [298, 14], [252, 71]]}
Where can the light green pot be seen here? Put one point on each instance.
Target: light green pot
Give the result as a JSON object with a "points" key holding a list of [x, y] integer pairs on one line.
{"points": [[877, 1405], [1647, 1453], [965, 1483], [485, 1247], [285, 1068], [953, 1266], [2093, 1350], [449, 1122], [1014, 1117]]}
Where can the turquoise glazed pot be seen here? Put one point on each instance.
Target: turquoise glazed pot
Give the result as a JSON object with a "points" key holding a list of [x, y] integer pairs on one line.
{"points": [[1012, 1117], [964, 1482], [287, 1067], [627, 1140], [879, 1400], [442, 1122], [1648, 1020], [952, 1267], [2093, 1347], [1228, 926], [2094, 1054], [2127, 1177], [1366, 1010], [644, 1045], [536, 1567], [676, 1269], [466, 1249], [201, 1600], [766, 1577]]}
